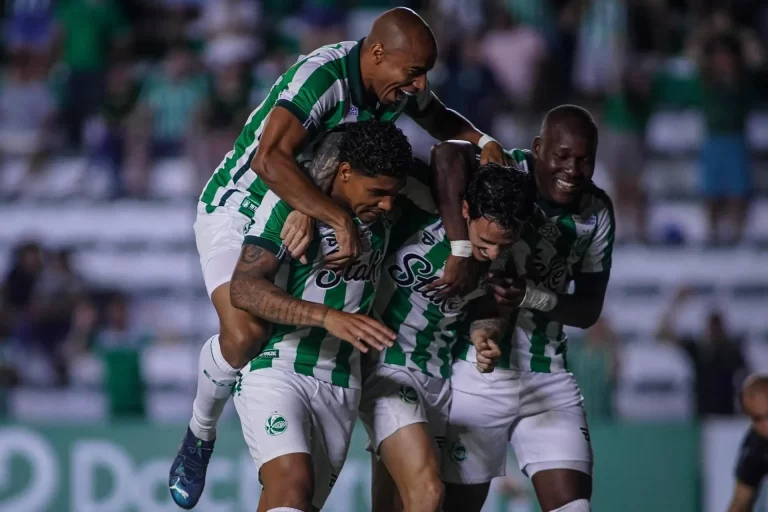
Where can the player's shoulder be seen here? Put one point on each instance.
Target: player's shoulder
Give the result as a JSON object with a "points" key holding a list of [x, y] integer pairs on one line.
{"points": [[330, 57], [595, 201], [523, 158]]}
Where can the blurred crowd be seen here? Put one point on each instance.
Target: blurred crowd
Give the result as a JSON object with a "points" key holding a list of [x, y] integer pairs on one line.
{"points": [[124, 83]]}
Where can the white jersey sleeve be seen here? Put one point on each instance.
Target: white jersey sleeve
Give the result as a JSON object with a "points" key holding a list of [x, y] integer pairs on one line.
{"points": [[599, 253]]}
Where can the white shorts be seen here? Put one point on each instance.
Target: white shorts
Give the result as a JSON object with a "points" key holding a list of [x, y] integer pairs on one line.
{"points": [[541, 414], [394, 397], [283, 413], [219, 239]]}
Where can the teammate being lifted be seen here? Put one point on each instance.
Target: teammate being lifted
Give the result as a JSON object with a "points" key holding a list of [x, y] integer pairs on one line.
{"points": [[377, 78], [535, 402]]}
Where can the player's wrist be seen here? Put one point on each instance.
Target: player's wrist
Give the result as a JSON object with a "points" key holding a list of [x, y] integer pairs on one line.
{"points": [[461, 248], [485, 139], [538, 298]]}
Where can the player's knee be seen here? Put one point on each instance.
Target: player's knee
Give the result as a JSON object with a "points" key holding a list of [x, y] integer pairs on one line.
{"points": [[241, 341], [288, 485], [575, 506], [425, 495]]}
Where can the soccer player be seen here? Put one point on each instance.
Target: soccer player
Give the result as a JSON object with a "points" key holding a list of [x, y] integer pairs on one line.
{"points": [[298, 398], [752, 464], [531, 399], [406, 394], [377, 78]]}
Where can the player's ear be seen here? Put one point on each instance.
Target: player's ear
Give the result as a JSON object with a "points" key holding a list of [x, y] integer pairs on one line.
{"points": [[465, 209], [378, 52], [536, 146], [344, 172]]}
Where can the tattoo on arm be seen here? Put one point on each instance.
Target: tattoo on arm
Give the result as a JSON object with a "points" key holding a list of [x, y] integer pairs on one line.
{"points": [[252, 290], [494, 325], [325, 163]]}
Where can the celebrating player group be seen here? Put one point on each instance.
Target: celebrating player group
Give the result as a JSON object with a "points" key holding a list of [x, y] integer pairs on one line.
{"points": [[428, 300]]}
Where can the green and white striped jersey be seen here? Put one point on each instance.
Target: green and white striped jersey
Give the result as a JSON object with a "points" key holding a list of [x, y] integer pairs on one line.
{"points": [[425, 325], [312, 350], [323, 90], [556, 244]]}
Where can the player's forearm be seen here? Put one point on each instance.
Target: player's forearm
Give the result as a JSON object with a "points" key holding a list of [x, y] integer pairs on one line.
{"points": [[451, 165], [262, 299], [492, 328], [576, 311], [282, 175], [444, 123]]}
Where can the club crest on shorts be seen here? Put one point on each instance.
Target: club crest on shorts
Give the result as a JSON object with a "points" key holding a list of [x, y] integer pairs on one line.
{"points": [[458, 452], [408, 395], [276, 425]]}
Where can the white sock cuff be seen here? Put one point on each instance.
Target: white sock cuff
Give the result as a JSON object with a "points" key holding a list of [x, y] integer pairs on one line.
{"points": [[218, 357], [575, 506], [284, 509]]}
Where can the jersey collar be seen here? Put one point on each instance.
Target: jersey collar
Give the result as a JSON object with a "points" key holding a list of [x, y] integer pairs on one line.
{"points": [[355, 77]]}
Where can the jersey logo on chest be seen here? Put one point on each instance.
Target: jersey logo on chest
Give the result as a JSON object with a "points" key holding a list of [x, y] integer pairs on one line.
{"points": [[361, 271], [417, 273]]}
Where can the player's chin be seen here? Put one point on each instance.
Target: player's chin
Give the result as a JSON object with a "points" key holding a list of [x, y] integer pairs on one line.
{"points": [[479, 255], [368, 216], [562, 195]]}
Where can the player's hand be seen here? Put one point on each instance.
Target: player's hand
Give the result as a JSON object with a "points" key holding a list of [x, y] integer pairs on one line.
{"points": [[360, 330], [506, 291], [349, 248], [488, 352], [492, 152], [297, 234], [460, 277]]}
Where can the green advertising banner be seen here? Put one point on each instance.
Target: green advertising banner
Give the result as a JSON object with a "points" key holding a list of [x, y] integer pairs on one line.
{"points": [[124, 467]]}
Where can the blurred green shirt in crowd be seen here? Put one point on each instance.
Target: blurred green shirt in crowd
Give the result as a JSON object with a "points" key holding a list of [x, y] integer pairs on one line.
{"points": [[89, 27]]}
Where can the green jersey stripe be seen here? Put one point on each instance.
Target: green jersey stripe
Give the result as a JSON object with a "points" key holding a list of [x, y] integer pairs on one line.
{"points": [[425, 338]]}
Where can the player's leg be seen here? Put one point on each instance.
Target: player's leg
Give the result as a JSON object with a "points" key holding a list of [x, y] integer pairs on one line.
{"points": [[276, 419], [218, 238], [483, 408], [553, 446], [410, 457], [384, 494], [401, 411]]}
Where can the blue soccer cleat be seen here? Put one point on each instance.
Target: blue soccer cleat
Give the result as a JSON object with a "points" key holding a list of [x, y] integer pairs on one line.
{"points": [[186, 480]]}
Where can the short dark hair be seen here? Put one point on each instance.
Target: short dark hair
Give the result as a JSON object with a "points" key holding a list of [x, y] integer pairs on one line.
{"points": [[376, 148], [502, 194]]}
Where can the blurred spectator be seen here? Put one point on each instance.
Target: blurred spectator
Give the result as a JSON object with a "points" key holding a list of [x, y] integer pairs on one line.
{"points": [[602, 43], [594, 363], [109, 131], [27, 114], [222, 116], [728, 85], [163, 122], [324, 23], [470, 85], [231, 28], [90, 30], [506, 38], [622, 147], [29, 27], [19, 284], [716, 356]]}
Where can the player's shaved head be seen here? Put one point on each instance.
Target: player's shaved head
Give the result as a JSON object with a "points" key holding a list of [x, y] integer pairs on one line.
{"points": [[402, 29], [572, 117], [754, 400], [755, 384], [396, 56], [565, 153]]}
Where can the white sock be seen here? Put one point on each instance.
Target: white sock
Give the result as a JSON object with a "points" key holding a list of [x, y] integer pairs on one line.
{"points": [[214, 386], [283, 509], [574, 506]]}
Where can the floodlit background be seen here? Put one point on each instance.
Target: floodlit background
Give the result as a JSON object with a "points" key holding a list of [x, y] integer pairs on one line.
{"points": [[113, 114]]}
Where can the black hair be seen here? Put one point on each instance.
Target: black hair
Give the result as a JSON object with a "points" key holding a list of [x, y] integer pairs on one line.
{"points": [[376, 148], [574, 113], [502, 194]]}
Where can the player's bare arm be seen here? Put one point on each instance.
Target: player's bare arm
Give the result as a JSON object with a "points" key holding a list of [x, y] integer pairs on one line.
{"points": [[485, 335], [445, 124], [451, 165], [275, 163], [253, 290], [743, 498]]}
